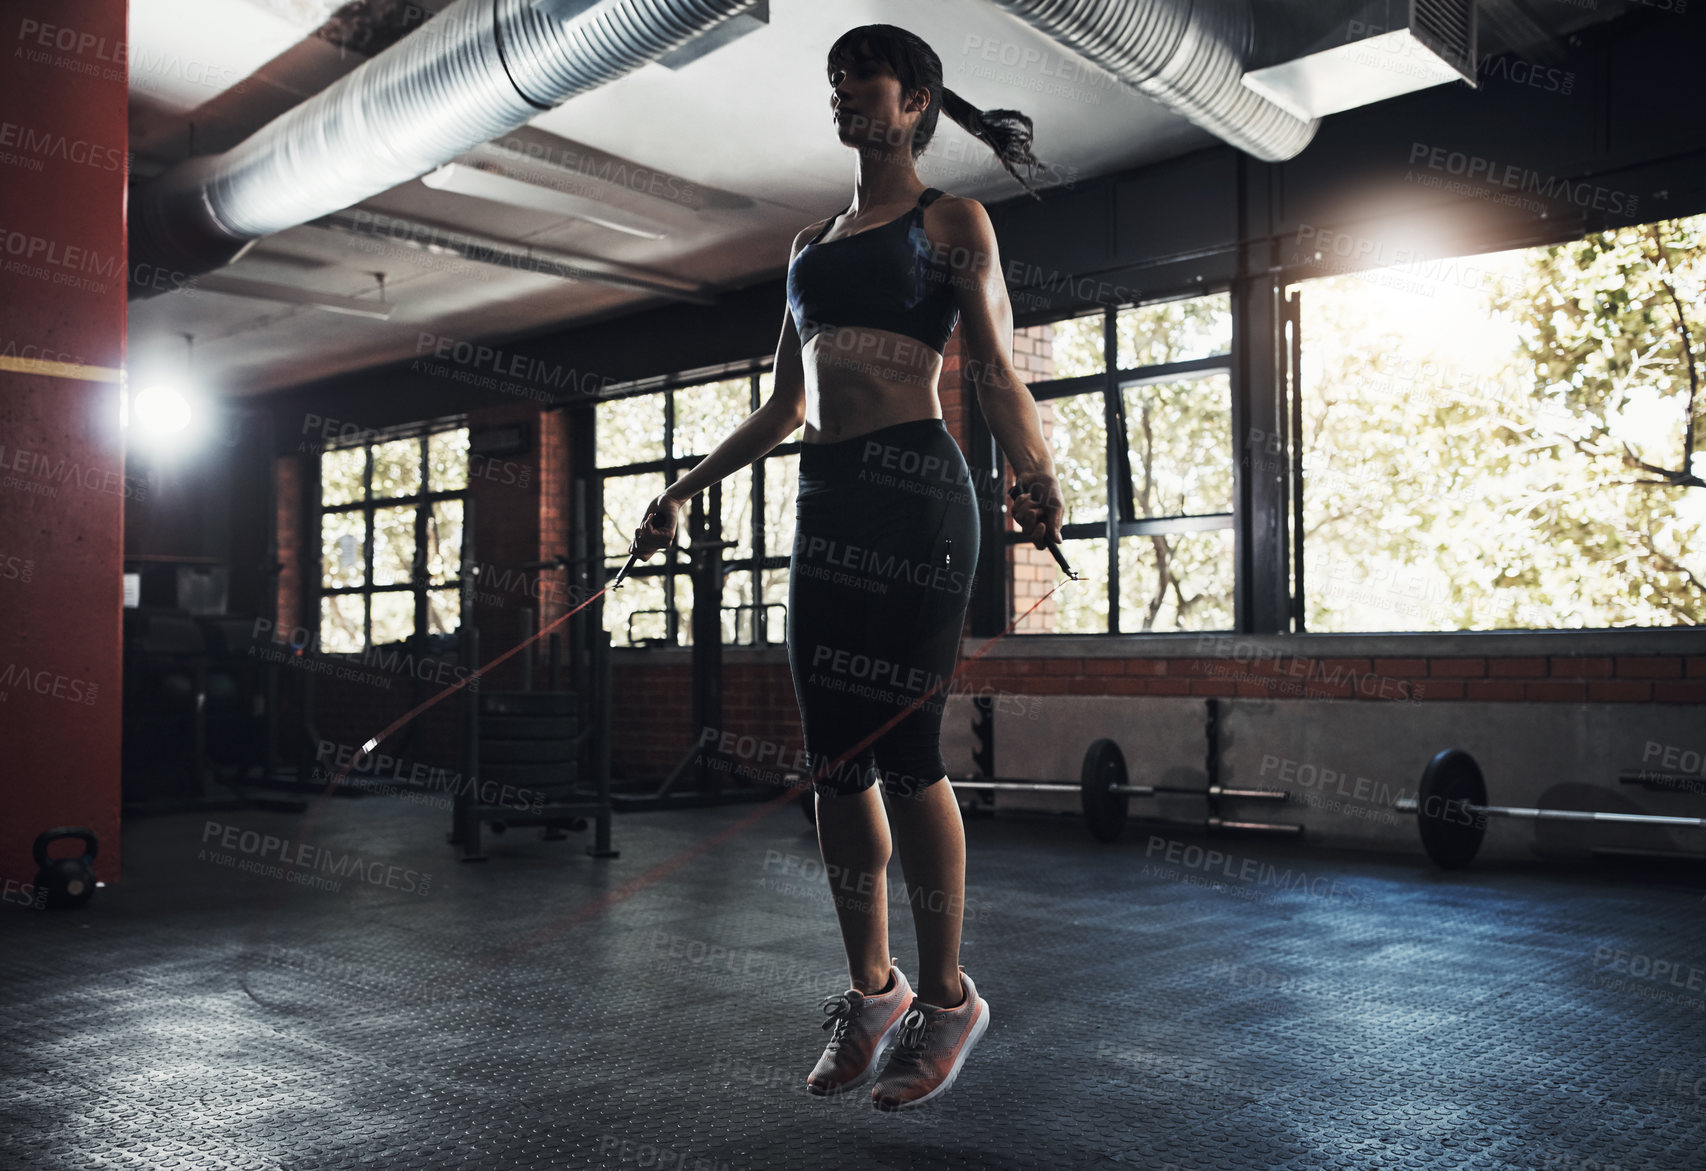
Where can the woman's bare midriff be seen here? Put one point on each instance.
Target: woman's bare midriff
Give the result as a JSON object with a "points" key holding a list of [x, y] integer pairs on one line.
{"points": [[860, 380]]}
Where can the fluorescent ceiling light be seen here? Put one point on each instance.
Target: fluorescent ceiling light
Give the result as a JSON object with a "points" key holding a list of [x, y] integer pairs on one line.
{"points": [[235, 286], [483, 184], [161, 410]]}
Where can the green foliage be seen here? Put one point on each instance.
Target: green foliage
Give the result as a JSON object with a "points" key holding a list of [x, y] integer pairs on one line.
{"points": [[1517, 454]]}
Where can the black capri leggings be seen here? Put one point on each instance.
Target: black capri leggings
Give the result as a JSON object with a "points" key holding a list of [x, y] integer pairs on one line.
{"points": [[885, 546]]}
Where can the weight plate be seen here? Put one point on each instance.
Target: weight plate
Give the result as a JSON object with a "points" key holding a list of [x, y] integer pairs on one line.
{"points": [[1451, 834], [525, 751], [1104, 811], [528, 727], [528, 703]]}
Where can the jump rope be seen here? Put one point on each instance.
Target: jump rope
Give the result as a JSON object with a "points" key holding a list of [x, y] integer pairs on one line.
{"points": [[669, 865]]}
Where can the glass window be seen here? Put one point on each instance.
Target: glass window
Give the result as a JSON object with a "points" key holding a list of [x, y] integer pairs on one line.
{"points": [[391, 551], [1173, 331], [703, 416], [1173, 484], [1501, 441], [1179, 434]]}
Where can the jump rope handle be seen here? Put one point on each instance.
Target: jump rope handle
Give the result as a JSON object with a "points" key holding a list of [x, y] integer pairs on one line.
{"points": [[1054, 549]]}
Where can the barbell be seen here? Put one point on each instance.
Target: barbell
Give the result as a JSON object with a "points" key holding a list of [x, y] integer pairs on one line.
{"points": [[1451, 810], [1105, 796]]}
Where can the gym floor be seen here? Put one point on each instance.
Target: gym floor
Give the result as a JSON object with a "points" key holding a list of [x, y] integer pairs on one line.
{"points": [[545, 1009]]}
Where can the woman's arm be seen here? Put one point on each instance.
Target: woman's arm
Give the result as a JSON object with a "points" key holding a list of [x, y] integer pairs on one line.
{"points": [[986, 325], [775, 419]]}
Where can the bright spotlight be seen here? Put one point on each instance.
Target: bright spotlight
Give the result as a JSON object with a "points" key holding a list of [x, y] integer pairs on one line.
{"points": [[161, 410]]}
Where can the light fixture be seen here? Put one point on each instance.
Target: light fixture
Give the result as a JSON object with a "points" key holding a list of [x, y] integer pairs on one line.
{"points": [[162, 408], [488, 183]]}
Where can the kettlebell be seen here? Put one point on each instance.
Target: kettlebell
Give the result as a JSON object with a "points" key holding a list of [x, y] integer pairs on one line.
{"points": [[69, 882]]}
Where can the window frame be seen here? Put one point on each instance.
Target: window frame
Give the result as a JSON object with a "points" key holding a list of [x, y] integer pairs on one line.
{"points": [[1111, 382], [419, 583], [674, 562]]}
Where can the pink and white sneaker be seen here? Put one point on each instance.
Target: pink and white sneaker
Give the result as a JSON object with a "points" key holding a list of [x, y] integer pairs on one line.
{"points": [[861, 1025], [932, 1045]]}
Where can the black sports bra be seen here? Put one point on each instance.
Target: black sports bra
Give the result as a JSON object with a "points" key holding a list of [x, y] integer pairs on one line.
{"points": [[885, 278]]}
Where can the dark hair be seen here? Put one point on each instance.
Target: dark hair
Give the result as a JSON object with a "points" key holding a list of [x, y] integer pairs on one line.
{"points": [[1006, 132]]}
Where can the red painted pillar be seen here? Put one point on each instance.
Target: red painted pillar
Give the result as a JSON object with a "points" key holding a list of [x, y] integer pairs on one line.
{"points": [[64, 89]]}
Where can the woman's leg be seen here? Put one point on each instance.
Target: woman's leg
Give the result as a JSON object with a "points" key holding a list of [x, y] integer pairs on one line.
{"points": [[853, 834], [932, 842]]}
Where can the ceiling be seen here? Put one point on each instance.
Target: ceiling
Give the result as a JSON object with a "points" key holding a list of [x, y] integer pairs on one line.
{"points": [[723, 160]]}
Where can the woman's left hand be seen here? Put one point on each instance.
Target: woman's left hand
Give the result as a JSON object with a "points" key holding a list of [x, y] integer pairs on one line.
{"points": [[1037, 508]]}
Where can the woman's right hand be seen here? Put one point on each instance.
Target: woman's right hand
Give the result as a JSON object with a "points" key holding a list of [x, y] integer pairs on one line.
{"points": [[658, 529]]}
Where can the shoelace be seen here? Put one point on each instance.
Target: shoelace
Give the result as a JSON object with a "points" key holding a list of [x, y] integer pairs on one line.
{"points": [[841, 1013], [909, 1041]]}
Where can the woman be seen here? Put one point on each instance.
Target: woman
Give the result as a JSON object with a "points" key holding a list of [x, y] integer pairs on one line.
{"points": [[887, 538]]}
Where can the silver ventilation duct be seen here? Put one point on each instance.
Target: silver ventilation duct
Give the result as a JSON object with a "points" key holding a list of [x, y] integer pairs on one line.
{"points": [[1189, 55], [477, 70]]}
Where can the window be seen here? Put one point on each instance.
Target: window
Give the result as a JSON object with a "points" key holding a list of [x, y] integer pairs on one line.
{"points": [[391, 541], [1136, 405], [1509, 440], [644, 443]]}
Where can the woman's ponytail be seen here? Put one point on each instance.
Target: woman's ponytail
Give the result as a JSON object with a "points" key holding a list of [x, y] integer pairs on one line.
{"points": [[1006, 132]]}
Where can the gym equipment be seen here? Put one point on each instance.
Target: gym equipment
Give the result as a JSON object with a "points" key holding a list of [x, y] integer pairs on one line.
{"points": [[69, 882], [1102, 783], [1452, 811], [712, 769]]}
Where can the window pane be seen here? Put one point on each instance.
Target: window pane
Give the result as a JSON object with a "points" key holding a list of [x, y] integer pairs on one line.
{"points": [[737, 513], [637, 597], [704, 415], [341, 624], [625, 501], [738, 624], [444, 542], [1181, 581], [1078, 607], [341, 475], [684, 609], [781, 485], [767, 387], [776, 605], [393, 617], [393, 545], [1077, 434], [629, 431], [1174, 331], [444, 611], [397, 469], [1475, 434], [1078, 346], [343, 545], [447, 460], [1180, 437]]}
